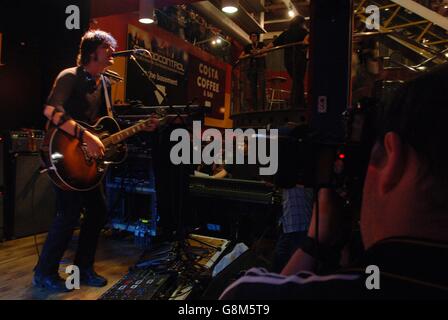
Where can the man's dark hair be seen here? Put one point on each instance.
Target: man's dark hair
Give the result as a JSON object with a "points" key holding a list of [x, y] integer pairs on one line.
{"points": [[90, 41], [418, 113], [255, 33]]}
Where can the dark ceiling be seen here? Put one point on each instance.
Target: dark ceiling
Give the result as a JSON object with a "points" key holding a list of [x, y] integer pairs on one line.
{"points": [[275, 11]]}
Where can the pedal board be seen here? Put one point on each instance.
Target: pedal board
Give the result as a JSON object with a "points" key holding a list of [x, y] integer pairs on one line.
{"points": [[160, 274], [142, 284]]}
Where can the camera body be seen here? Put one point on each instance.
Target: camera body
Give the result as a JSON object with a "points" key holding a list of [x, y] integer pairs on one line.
{"points": [[342, 165]]}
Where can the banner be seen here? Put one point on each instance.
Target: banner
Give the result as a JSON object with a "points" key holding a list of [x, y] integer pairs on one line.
{"points": [[166, 69], [206, 86]]}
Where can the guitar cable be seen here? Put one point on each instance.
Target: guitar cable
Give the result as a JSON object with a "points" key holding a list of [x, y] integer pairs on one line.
{"points": [[33, 217]]}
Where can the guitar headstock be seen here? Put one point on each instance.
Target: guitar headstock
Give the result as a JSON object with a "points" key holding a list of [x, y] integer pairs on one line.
{"points": [[162, 117]]}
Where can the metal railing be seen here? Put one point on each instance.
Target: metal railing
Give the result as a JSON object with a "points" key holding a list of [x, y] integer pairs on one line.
{"points": [[261, 82]]}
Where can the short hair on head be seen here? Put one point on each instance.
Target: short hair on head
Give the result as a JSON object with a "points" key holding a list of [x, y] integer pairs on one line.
{"points": [[90, 41], [255, 33], [418, 114]]}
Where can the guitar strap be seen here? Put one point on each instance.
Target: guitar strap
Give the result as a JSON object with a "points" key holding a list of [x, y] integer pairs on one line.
{"points": [[106, 96]]}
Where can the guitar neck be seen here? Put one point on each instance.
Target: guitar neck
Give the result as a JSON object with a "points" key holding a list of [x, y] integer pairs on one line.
{"points": [[126, 133], [136, 128]]}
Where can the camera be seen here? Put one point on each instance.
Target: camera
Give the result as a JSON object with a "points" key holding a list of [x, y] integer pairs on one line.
{"points": [[341, 165]]}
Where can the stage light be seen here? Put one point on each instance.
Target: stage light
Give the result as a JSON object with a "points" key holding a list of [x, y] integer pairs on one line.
{"points": [[229, 6], [146, 11], [341, 156]]}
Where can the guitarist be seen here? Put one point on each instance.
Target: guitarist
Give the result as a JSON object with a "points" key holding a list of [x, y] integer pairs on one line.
{"points": [[79, 94]]}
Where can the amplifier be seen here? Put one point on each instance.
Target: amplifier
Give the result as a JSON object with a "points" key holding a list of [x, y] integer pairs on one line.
{"points": [[2, 223], [25, 141]]}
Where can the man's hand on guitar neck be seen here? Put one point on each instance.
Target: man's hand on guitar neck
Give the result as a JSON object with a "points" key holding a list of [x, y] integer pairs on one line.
{"points": [[153, 124], [95, 147]]}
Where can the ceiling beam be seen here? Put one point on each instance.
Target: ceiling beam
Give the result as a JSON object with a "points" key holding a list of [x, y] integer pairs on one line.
{"points": [[424, 12], [277, 21], [102, 8], [256, 6], [222, 21]]}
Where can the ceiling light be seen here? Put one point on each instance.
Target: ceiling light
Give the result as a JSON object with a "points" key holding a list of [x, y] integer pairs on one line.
{"points": [[291, 13], [146, 11], [229, 6]]}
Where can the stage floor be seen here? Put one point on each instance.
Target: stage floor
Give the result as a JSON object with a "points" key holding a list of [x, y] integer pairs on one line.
{"points": [[18, 258]]}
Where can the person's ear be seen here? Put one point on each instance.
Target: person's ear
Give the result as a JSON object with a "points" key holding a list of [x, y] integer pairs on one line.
{"points": [[394, 163]]}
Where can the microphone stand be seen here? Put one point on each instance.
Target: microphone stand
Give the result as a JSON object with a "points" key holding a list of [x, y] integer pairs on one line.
{"points": [[181, 238], [148, 77]]}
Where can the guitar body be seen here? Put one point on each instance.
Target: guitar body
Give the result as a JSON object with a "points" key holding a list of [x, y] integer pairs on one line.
{"points": [[67, 162]]}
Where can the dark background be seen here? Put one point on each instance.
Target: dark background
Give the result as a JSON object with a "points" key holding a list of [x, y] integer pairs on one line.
{"points": [[36, 47]]}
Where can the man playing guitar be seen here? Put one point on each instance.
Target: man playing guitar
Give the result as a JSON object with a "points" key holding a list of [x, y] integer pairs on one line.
{"points": [[80, 93]]}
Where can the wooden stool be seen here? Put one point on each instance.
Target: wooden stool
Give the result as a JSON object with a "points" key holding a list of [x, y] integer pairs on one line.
{"points": [[276, 93]]}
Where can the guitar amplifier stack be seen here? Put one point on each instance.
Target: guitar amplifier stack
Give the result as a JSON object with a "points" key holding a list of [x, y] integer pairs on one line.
{"points": [[29, 202]]}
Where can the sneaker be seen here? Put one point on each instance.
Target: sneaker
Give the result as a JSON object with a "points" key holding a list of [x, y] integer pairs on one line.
{"points": [[51, 282], [90, 278]]}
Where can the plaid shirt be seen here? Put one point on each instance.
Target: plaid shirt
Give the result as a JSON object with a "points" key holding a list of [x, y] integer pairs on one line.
{"points": [[297, 209]]}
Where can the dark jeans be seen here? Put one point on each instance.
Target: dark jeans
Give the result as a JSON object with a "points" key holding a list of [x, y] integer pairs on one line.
{"points": [[286, 245], [257, 83], [69, 206]]}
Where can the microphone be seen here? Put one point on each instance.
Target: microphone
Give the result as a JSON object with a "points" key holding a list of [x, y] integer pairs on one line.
{"points": [[126, 53]]}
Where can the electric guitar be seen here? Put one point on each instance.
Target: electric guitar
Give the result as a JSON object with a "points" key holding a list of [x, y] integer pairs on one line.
{"points": [[66, 160]]}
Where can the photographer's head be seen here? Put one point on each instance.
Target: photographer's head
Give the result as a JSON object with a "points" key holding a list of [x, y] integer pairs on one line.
{"points": [[406, 188]]}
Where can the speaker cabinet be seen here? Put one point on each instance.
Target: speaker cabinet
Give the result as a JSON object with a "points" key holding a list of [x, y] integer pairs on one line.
{"points": [[2, 188], [31, 198], [2, 162], [2, 224]]}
